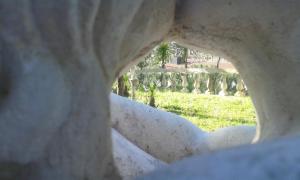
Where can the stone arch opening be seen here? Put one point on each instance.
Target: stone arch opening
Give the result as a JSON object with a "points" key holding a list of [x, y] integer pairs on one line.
{"points": [[202, 76], [160, 136]]}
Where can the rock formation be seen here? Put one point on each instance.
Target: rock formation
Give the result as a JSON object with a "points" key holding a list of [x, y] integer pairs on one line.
{"points": [[130, 160], [164, 135], [59, 59]]}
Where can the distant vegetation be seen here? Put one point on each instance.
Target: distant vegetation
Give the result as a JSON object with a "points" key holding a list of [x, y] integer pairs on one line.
{"points": [[208, 112]]}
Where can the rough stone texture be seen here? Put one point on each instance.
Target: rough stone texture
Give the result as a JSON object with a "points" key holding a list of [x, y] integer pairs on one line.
{"points": [[262, 44], [164, 135], [275, 160], [130, 160], [58, 61], [59, 58]]}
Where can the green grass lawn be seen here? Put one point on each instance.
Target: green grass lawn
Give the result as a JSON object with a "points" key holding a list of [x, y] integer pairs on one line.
{"points": [[208, 112]]}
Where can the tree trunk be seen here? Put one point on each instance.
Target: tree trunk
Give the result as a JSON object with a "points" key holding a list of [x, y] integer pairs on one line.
{"points": [[185, 56]]}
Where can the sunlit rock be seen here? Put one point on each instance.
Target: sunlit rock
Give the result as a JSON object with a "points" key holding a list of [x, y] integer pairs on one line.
{"points": [[168, 136], [164, 135], [230, 137]]}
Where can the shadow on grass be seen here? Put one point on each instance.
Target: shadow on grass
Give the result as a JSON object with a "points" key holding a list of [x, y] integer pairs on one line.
{"points": [[179, 111], [194, 113], [243, 121]]}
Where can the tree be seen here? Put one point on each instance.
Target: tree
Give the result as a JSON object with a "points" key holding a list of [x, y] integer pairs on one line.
{"points": [[123, 86], [163, 54], [152, 88]]}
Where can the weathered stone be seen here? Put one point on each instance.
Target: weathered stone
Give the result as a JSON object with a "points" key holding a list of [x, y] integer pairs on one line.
{"points": [[210, 85], [264, 51], [133, 82], [164, 80], [130, 160], [169, 83], [173, 81], [274, 160], [197, 84], [164, 135], [168, 136], [224, 87], [240, 87], [184, 83], [59, 59], [261, 44], [58, 62]]}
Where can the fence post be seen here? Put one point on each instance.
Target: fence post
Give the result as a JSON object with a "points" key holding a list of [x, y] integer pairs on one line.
{"points": [[240, 87], [184, 83], [224, 87], [197, 84]]}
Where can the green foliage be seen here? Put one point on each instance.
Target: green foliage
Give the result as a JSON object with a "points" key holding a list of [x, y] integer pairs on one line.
{"points": [[163, 53], [190, 80], [178, 81], [232, 79], [203, 79], [123, 85], [126, 80], [208, 112], [142, 64], [146, 79], [152, 89], [215, 77], [115, 87]]}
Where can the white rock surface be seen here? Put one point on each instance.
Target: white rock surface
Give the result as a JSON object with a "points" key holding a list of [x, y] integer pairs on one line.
{"points": [[58, 61], [167, 136], [164, 135], [130, 160], [275, 160], [263, 45], [230, 137]]}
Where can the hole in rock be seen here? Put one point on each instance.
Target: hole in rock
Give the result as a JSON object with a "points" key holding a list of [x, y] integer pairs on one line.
{"points": [[203, 88], [203, 93]]}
